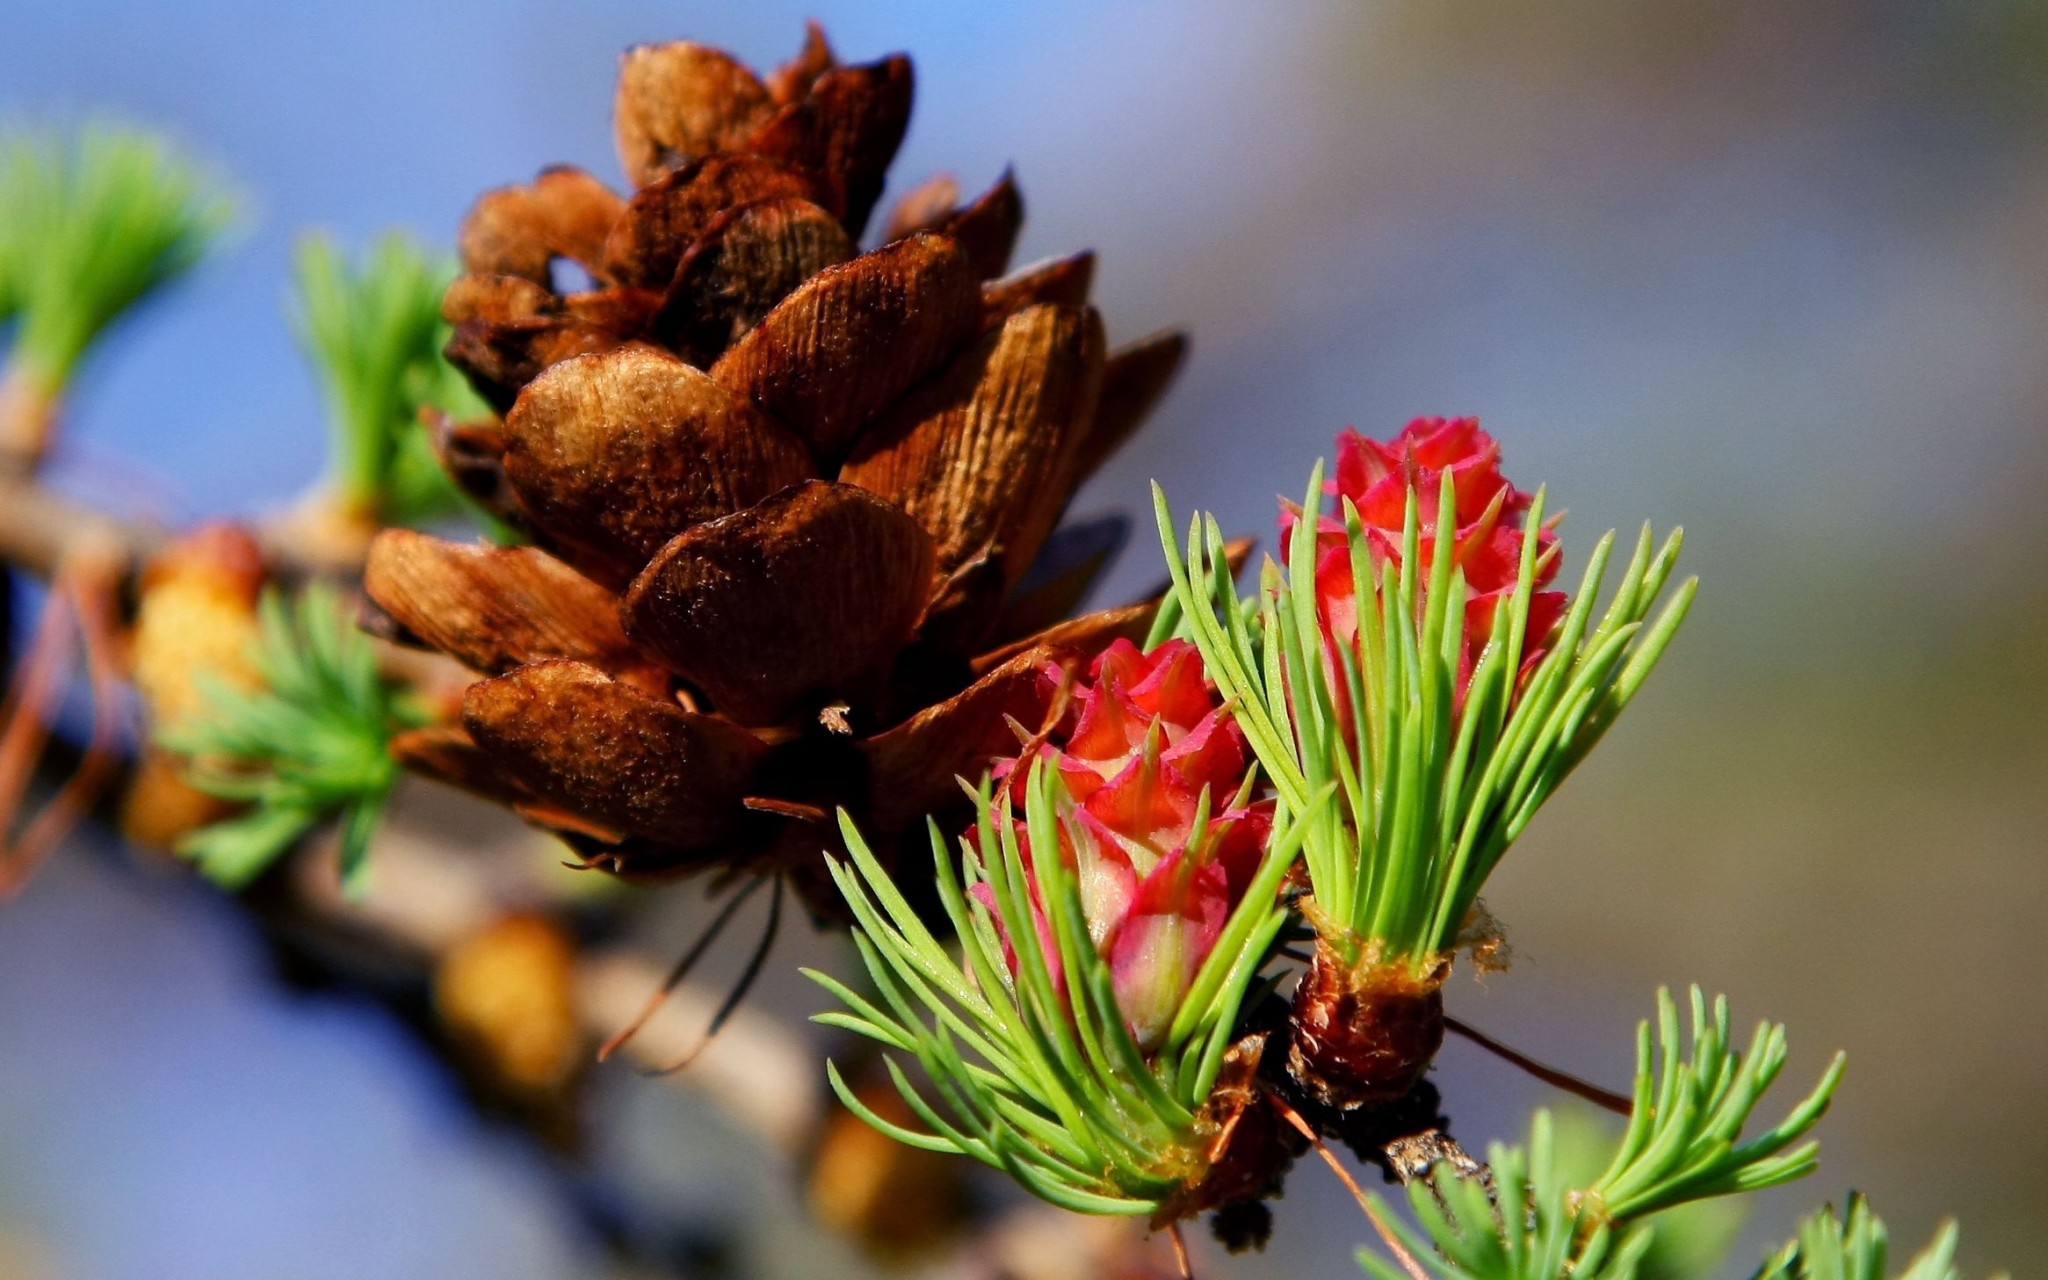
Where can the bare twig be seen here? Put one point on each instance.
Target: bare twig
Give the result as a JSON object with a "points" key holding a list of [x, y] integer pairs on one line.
{"points": [[428, 895], [1180, 1252], [83, 597], [38, 527], [682, 970], [1408, 1261], [1564, 1080]]}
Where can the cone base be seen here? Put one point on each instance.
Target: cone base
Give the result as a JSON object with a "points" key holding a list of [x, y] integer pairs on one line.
{"points": [[1247, 1147], [1364, 1032]]}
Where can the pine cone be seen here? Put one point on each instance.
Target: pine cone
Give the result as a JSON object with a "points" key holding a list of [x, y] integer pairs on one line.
{"points": [[786, 498]]}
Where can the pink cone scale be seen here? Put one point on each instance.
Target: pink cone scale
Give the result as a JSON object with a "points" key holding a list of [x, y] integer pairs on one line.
{"points": [[1376, 477], [1151, 761]]}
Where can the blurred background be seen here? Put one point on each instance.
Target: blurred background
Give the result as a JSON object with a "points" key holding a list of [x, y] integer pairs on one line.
{"points": [[1778, 273]]}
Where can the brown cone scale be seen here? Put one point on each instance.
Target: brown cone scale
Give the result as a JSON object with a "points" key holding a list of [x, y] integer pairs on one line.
{"points": [[747, 260], [1007, 416], [1364, 1033], [793, 505], [797, 595], [666, 218], [617, 454], [844, 131], [681, 100], [854, 337], [639, 764], [1064, 281], [519, 231], [496, 608]]}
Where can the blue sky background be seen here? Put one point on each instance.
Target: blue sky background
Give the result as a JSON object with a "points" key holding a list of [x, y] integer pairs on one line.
{"points": [[1774, 272]]}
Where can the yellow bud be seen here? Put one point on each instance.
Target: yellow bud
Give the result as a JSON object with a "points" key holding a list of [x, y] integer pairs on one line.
{"points": [[505, 992], [197, 615]]}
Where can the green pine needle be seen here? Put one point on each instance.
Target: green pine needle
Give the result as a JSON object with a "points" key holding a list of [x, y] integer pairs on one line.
{"points": [[1458, 1234], [1683, 1143], [1853, 1247], [374, 333], [1430, 796], [1684, 1139], [1692, 1240], [1034, 1074], [91, 222], [311, 743]]}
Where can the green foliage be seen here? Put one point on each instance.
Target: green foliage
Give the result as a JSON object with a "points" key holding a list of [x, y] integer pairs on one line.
{"points": [[311, 743], [16, 184], [1689, 1241], [1853, 1247], [1683, 1143], [1462, 1236], [1684, 1138], [374, 333], [1057, 1092], [1430, 795], [91, 222], [1458, 1234]]}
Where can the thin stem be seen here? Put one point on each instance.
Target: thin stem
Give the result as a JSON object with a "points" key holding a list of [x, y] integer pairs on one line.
{"points": [[680, 971], [83, 592], [1379, 1224], [739, 989], [1593, 1093]]}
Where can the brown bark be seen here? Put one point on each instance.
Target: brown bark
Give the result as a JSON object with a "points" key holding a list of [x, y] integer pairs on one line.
{"points": [[37, 527]]}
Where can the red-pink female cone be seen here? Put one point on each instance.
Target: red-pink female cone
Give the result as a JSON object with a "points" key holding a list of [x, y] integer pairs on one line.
{"points": [[1377, 476], [1160, 870]]}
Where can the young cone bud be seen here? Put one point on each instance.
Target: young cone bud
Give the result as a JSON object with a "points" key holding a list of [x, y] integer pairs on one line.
{"points": [[1160, 869], [195, 623], [1364, 1032], [504, 993]]}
